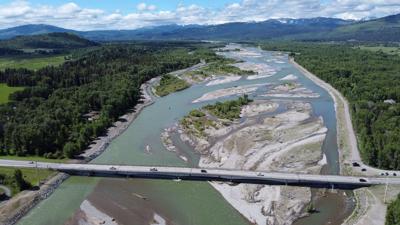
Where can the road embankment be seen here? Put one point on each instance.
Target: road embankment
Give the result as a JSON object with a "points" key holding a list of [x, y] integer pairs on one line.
{"points": [[347, 141], [371, 208], [20, 205]]}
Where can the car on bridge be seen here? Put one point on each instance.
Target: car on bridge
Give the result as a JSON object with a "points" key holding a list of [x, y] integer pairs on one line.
{"points": [[153, 170], [113, 168], [363, 180]]}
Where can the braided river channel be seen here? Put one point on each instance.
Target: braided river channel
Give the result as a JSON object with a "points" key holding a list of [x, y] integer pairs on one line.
{"points": [[139, 201]]}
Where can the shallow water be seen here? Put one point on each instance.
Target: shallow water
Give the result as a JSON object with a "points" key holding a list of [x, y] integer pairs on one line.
{"points": [[179, 202]]}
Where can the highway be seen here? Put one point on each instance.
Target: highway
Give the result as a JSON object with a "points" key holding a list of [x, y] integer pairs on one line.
{"points": [[235, 176]]}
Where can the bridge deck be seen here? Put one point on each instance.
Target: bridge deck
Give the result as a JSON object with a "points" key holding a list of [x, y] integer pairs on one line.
{"points": [[236, 176]]}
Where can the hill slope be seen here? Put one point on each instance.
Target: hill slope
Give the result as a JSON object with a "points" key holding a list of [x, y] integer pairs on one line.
{"points": [[47, 41], [230, 31], [31, 29], [383, 29], [321, 29]]}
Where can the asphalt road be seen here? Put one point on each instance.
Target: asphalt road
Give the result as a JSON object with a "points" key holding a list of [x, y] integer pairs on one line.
{"points": [[236, 176]]}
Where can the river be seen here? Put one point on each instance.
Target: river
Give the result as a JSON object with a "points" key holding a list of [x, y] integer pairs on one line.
{"points": [[133, 201]]}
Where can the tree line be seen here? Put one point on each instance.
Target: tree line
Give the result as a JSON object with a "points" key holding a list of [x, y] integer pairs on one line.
{"points": [[47, 117], [371, 83], [393, 212]]}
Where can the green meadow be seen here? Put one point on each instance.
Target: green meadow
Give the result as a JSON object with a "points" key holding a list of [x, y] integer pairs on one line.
{"points": [[31, 63], [387, 50], [32, 176], [5, 92]]}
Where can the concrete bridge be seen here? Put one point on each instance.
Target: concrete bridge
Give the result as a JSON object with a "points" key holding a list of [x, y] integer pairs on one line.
{"points": [[198, 174]]}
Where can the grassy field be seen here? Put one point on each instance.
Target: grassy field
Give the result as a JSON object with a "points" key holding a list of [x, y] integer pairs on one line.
{"points": [[387, 50], [31, 63], [33, 176], [5, 92], [33, 158]]}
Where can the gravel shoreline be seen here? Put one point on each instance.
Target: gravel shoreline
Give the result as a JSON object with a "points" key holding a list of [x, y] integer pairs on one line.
{"points": [[101, 144], [370, 208], [8, 216], [11, 216]]}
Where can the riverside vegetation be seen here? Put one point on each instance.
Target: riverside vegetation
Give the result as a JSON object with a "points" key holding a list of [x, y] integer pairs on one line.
{"points": [[228, 110], [393, 213], [170, 84], [21, 179], [370, 81], [48, 119], [220, 67]]}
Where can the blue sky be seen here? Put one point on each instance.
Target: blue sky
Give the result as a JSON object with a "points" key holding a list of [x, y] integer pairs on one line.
{"points": [[130, 5], [133, 14]]}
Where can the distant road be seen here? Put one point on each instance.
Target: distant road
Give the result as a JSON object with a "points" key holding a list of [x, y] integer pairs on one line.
{"points": [[236, 176]]}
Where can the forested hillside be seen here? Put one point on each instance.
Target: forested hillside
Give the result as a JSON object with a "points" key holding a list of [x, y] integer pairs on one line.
{"points": [[30, 29], [47, 117], [367, 79], [59, 41], [385, 29]]}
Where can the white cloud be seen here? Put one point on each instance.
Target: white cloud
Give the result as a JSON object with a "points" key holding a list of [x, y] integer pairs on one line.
{"points": [[69, 8], [151, 7], [143, 7], [71, 15]]}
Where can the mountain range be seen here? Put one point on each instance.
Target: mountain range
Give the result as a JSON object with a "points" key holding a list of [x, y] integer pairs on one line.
{"points": [[324, 29]]}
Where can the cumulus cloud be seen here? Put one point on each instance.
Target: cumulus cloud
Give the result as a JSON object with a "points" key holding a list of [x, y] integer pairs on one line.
{"points": [[73, 16]]}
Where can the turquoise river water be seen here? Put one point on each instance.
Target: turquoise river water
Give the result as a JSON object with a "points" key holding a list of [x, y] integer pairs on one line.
{"points": [[185, 203]]}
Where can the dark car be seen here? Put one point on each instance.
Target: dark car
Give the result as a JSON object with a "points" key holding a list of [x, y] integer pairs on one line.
{"points": [[153, 169], [356, 164], [395, 174], [363, 180], [204, 171], [363, 169]]}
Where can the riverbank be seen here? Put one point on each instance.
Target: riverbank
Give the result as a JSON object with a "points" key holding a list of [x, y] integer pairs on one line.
{"points": [[371, 208], [348, 150], [18, 206], [101, 143], [289, 141]]}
